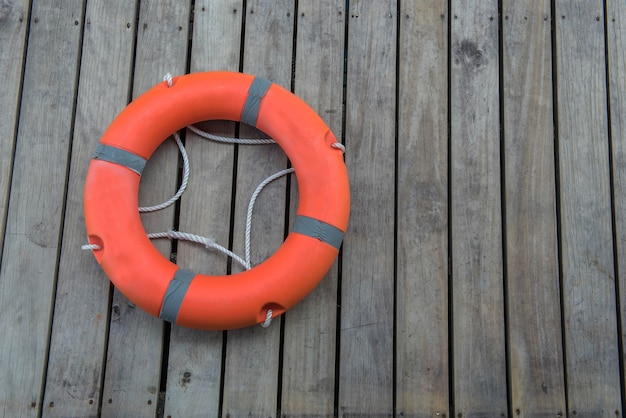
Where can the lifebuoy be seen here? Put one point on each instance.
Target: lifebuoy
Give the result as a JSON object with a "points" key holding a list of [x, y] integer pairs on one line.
{"points": [[162, 288]]}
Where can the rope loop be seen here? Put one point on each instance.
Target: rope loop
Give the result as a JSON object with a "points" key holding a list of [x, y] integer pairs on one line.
{"points": [[168, 78], [95, 247], [339, 146], [268, 319]]}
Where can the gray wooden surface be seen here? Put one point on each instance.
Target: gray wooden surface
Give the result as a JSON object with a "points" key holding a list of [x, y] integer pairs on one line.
{"points": [[310, 342], [74, 379], [478, 327], [13, 28], [482, 274], [532, 270], [366, 322], [588, 272], [37, 199], [422, 348], [616, 36]]}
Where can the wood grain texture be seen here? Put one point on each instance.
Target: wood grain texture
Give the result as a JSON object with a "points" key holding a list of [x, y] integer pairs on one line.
{"points": [[477, 267], [13, 25], [422, 195], [34, 219], [534, 319], [252, 354], [366, 346], [310, 327], [195, 356], [135, 343], [77, 345], [589, 299], [616, 41]]}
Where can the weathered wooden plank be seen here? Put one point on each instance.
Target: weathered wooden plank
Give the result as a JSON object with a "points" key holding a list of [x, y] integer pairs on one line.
{"points": [[251, 374], [77, 344], [366, 345], [534, 325], [133, 370], [589, 300], [477, 268], [616, 41], [422, 248], [34, 219], [589, 305], [195, 357], [13, 26], [310, 327]]}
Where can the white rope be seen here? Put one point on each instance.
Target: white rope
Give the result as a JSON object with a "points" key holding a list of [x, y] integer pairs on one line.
{"points": [[168, 78], [251, 207], [246, 141], [268, 319], [183, 184], [227, 140], [185, 236], [90, 247], [207, 242], [339, 145]]}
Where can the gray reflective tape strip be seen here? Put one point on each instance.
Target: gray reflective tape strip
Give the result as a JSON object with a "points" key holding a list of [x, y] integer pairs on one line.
{"points": [[250, 112], [175, 294], [121, 157], [320, 230]]}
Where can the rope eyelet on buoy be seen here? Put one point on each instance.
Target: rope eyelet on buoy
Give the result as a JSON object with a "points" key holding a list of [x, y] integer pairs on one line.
{"points": [[149, 280]]}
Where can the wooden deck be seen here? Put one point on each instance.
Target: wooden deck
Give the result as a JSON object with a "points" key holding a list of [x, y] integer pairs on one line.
{"points": [[483, 273]]}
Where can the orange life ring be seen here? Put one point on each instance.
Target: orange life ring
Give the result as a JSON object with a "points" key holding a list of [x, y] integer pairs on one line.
{"points": [[176, 295]]}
